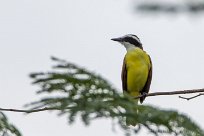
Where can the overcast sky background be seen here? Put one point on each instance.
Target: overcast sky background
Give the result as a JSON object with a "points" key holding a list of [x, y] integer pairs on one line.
{"points": [[80, 31]]}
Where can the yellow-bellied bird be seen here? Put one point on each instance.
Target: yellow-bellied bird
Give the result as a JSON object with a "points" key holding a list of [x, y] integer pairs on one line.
{"points": [[137, 67]]}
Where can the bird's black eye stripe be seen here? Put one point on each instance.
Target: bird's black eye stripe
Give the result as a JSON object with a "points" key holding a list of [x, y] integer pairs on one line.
{"points": [[131, 41]]}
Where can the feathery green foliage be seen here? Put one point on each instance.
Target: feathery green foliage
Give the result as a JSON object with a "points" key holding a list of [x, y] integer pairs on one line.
{"points": [[7, 129], [75, 91]]}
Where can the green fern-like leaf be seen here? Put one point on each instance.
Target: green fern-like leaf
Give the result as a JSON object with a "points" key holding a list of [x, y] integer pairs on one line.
{"points": [[75, 91], [6, 128]]}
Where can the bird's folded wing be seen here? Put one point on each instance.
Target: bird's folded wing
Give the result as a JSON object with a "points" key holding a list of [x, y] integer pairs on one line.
{"points": [[148, 82]]}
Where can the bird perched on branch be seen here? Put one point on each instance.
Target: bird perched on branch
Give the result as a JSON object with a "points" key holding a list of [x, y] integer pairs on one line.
{"points": [[137, 69]]}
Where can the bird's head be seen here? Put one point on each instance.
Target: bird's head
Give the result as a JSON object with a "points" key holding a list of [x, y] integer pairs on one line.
{"points": [[129, 41]]}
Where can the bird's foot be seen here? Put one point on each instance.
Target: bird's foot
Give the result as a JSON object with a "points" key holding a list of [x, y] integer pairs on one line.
{"points": [[143, 96]]}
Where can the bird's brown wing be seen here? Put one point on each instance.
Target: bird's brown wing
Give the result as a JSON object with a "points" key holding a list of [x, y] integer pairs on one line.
{"points": [[145, 90], [124, 76]]}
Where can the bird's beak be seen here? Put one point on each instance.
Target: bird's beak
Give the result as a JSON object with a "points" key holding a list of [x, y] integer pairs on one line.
{"points": [[117, 39]]}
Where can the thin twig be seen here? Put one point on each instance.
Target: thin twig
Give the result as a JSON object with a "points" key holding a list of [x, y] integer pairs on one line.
{"points": [[29, 111], [172, 93], [189, 98]]}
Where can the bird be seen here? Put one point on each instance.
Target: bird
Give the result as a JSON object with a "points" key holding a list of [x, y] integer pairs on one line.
{"points": [[136, 72]]}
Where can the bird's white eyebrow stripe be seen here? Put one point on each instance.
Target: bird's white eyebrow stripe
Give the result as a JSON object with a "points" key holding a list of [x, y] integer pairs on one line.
{"points": [[135, 37], [131, 36], [130, 40]]}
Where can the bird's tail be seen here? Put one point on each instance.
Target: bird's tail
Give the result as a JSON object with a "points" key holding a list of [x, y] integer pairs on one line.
{"points": [[132, 121]]}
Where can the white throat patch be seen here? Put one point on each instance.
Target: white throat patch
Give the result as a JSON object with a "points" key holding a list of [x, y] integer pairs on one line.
{"points": [[128, 46]]}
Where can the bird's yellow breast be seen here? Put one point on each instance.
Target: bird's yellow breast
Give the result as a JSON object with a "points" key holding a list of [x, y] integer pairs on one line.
{"points": [[138, 65]]}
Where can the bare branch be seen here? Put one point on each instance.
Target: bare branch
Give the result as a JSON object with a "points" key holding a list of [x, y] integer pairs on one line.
{"points": [[147, 95], [29, 111], [172, 93], [189, 98]]}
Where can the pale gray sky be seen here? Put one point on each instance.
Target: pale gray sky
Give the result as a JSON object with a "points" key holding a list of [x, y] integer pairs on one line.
{"points": [[80, 31]]}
